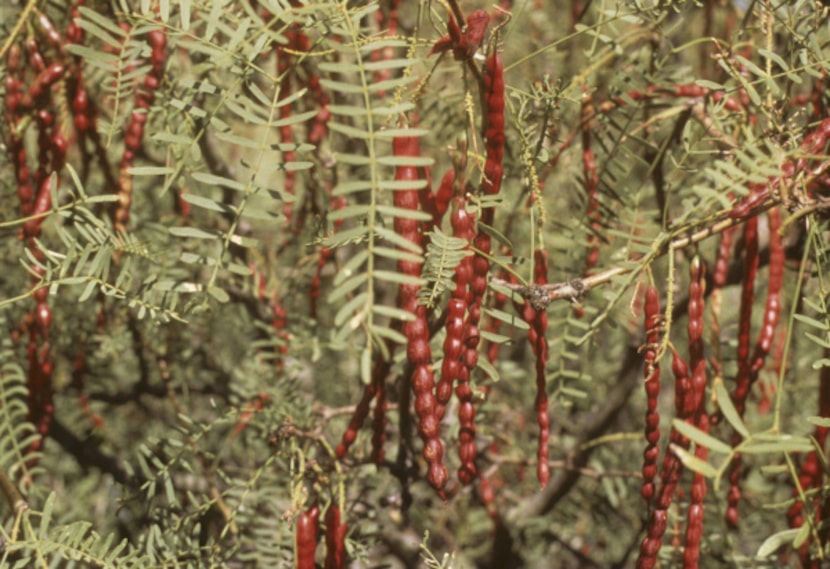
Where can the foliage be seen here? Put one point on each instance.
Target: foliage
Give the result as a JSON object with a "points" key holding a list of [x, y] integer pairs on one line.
{"points": [[231, 232]]}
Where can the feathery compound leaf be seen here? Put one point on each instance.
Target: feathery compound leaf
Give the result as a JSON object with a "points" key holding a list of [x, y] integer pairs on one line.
{"points": [[444, 254]]}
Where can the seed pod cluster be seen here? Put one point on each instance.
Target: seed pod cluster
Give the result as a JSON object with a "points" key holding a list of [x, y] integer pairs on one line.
{"points": [[490, 184], [670, 471], [813, 144], [772, 308], [743, 380], [463, 225], [34, 192], [750, 367], [144, 98], [370, 391], [418, 351], [653, 320]]}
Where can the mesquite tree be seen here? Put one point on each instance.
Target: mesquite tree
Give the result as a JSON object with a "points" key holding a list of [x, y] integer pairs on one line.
{"points": [[382, 283]]}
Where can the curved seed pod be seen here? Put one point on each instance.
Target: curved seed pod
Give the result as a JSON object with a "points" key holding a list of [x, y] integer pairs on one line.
{"points": [[379, 373]]}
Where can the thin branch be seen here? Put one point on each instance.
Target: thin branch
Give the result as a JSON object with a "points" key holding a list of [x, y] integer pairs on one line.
{"points": [[540, 296], [13, 496]]}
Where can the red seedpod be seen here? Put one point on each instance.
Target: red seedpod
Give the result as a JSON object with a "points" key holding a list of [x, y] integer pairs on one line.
{"points": [[463, 43], [670, 471], [419, 352], [653, 321], [591, 181], [463, 228], [335, 539], [697, 409], [306, 537], [538, 321]]}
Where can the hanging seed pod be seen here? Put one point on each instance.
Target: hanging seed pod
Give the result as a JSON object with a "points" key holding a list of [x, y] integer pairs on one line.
{"points": [[697, 408], [653, 319], [306, 537], [335, 539], [379, 373], [419, 353], [744, 379], [463, 228], [538, 326], [135, 129], [670, 472]]}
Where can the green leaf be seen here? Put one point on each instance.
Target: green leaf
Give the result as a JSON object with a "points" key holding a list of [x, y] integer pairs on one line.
{"points": [[398, 278], [692, 462], [777, 540], [347, 311], [507, 318], [395, 239], [349, 285], [784, 443], [700, 438], [150, 171], [393, 312], [218, 181], [819, 421], [731, 414], [403, 213], [206, 203], [46, 515], [194, 233], [389, 333], [219, 294], [488, 368]]}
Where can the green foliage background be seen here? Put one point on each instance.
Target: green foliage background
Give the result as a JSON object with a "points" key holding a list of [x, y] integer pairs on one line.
{"points": [[195, 431]]}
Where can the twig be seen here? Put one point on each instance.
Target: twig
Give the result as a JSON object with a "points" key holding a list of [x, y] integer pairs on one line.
{"points": [[540, 296], [13, 496], [18, 26]]}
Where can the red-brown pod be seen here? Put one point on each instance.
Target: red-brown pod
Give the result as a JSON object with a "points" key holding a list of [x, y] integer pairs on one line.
{"points": [[306, 537], [335, 539]]}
